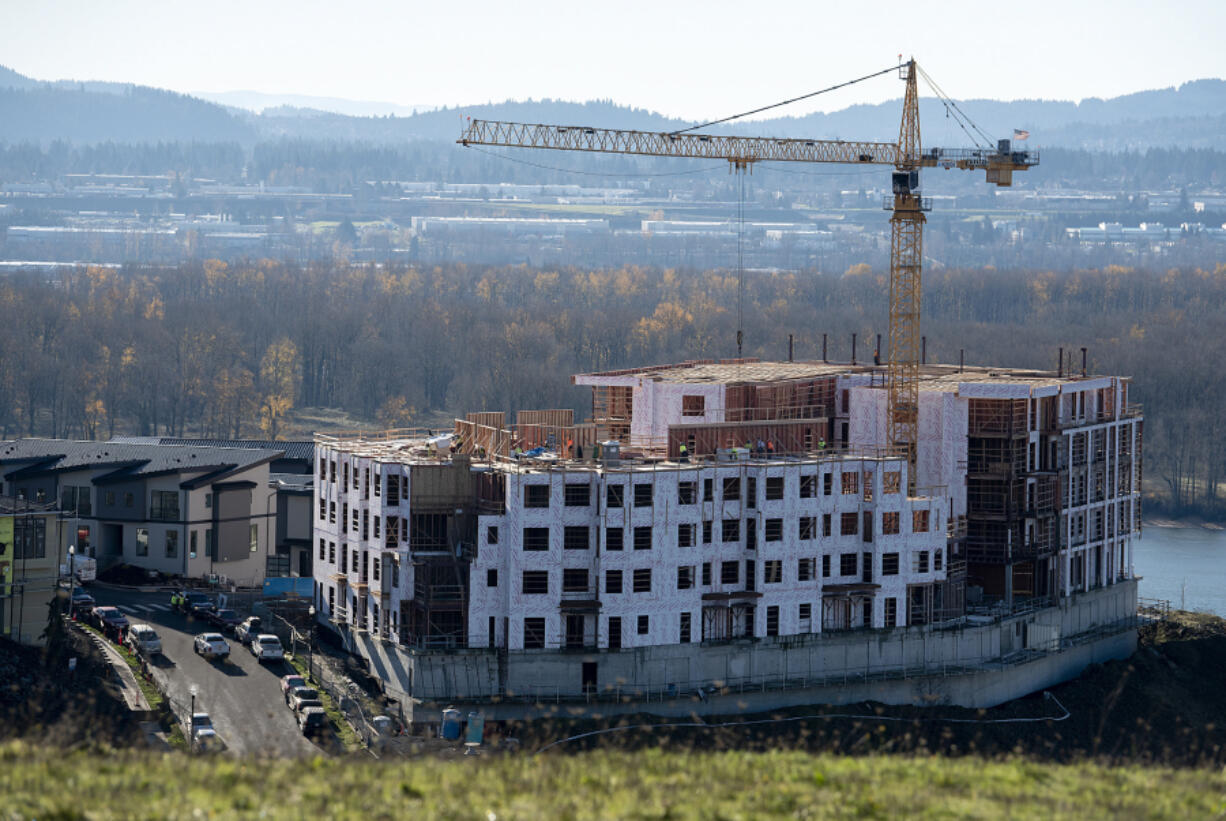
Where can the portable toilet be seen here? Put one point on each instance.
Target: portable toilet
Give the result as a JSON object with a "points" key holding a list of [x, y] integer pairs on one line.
{"points": [[476, 730], [451, 724]]}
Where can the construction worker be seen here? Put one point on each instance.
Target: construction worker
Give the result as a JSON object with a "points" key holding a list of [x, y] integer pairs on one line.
{"points": [[685, 455], [821, 444], [770, 447]]}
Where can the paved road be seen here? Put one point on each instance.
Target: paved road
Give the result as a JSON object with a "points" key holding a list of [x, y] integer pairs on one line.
{"points": [[242, 696]]}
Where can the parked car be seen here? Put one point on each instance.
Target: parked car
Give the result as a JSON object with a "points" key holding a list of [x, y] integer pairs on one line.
{"points": [[307, 703], [145, 639], [298, 695], [312, 720], [109, 619], [82, 602], [290, 682], [191, 602], [203, 736], [267, 647], [211, 645], [248, 630], [83, 567], [200, 606], [224, 620]]}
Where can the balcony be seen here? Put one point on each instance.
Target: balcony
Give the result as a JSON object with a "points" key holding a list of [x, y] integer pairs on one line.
{"points": [[576, 600]]}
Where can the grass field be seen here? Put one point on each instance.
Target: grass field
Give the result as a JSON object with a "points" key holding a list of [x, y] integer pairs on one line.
{"points": [[39, 782]]}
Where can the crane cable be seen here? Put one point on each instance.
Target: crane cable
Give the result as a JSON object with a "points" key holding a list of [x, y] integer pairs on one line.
{"points": [[786, 102], [959, 116]]}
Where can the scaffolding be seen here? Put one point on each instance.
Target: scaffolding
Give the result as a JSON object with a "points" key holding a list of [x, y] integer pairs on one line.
{"points": [[612, 409], [997, 417], [437, 615], [771, 401]]}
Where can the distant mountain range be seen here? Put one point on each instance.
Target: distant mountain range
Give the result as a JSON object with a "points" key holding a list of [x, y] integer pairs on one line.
{"points": [[1192, 115], [259, 102]]}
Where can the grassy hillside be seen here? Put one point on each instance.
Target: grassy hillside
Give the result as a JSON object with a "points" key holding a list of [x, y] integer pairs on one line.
{"points": [[44, 783]]}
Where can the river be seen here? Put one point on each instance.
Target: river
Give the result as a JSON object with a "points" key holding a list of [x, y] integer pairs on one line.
{"points": [[1185, 565]]}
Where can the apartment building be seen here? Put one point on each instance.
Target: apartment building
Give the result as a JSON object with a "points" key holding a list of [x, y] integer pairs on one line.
{"points": [[1040, 472], [739, 524], [653, 553], [1042, 475], [193, 511]]}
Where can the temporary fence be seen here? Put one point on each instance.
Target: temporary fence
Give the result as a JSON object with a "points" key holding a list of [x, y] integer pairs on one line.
{"points": [[345, 694]]}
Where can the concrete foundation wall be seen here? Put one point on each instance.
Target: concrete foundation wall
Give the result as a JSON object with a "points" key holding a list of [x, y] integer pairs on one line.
{"points": [[985, 688], [968, 665]]}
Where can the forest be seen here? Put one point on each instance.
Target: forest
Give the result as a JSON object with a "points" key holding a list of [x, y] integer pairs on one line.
{"points": [[209, 349]]}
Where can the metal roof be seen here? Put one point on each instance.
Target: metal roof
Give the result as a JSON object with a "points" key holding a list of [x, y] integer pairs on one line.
{"points": [[127, 460], [303, 450]]}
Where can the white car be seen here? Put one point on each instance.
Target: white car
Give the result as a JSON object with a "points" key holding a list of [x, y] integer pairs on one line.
{"points": [[211, 645], [145, 639], [267, 647], [204, 737], [248, 630]]}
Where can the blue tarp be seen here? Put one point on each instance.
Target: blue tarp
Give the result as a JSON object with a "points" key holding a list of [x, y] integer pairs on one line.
{"points": [[302, 586]]}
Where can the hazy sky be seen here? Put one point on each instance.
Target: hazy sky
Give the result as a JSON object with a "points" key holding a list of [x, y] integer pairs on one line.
{"points": [[688, 59]]}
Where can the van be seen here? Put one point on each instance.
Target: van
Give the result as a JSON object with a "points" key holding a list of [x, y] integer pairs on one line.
{"points": [[83, 567], [145, 639]]}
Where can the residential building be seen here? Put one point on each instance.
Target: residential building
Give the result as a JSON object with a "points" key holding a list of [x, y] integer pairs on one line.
{"points": [[182, 510]]}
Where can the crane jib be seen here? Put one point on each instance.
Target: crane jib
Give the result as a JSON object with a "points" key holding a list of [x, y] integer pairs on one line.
{"points": [[672, 144], [739, 150]]}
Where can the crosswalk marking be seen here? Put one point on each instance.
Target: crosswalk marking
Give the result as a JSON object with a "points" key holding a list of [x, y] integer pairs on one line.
{"points": [[162, 607], [131, 611]]}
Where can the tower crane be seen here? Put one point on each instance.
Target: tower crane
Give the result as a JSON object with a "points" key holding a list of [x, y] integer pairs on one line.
{"points": [[906, 203]]}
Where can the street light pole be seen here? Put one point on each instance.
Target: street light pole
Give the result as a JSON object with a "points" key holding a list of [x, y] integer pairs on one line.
{"points": [[311, 640], [72, 581]]}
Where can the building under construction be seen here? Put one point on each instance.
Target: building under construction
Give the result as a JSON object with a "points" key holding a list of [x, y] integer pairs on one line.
{"points": [[705, 504]]}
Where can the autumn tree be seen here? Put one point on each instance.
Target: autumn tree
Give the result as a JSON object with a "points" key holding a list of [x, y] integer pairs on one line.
{"points": [[280, 372]]}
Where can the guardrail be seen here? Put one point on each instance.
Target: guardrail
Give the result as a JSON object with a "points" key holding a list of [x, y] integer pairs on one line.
{"points": [[1153, 609]]}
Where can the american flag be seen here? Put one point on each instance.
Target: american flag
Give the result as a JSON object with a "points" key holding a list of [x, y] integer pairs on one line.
{"points": [[1019, 134]]}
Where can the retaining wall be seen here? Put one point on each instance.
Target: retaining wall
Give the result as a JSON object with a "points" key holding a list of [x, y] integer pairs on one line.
{"points": [[971, 664]]}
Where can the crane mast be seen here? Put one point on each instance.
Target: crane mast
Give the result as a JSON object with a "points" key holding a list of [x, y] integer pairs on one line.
{"points": [[907, 206], [906, 264]]}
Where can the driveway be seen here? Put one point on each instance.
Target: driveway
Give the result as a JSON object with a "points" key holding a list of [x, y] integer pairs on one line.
{"points": [[242, 696]]}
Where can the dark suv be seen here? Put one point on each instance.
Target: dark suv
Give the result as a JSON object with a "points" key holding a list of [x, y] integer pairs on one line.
{"points": [[224, 620], [312, 720], [198, 604]]}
